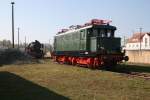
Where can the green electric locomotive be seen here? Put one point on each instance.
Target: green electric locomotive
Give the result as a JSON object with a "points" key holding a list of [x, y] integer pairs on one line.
{"points": [[93, 45]]}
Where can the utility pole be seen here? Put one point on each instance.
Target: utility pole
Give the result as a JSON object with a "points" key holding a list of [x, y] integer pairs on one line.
{"points": [[25, 42], [49, 45], [124, 41], [18, 37], [140, 37], [13, 24]]}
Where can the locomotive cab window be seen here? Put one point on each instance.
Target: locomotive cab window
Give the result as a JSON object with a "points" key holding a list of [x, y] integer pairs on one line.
{"points": [[110, 33], [102, 33], [82, 34], [95, 32]]}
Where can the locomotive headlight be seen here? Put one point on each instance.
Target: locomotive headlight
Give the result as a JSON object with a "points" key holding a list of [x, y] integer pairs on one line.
{"points": [[86, 53]]}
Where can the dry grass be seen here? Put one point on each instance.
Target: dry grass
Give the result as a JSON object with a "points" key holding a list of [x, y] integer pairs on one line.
{"points": [[77, 83]]}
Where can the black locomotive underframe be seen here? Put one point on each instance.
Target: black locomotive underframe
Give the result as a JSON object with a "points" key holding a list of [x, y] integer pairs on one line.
{"points": [[85, 54]]}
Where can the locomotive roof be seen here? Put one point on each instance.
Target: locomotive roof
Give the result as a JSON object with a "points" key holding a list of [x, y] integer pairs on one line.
{"points": [[90, 26], [105, 26], [74, 30]]}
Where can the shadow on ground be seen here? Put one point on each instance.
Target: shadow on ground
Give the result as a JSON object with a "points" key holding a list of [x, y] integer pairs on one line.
{"points": [[14, 87], [125, 68]]}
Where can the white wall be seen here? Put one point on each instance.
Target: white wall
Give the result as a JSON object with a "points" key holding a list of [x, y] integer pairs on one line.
{"points": [[136, 56], [136, 46]]}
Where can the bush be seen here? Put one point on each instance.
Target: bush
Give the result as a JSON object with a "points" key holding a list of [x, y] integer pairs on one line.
{"points": [[10, 56]]}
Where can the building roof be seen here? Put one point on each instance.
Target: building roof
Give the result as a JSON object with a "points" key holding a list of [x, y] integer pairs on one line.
{"points": [[137, 37]]}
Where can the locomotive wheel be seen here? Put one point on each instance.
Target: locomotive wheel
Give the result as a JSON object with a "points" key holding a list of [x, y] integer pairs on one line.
{"points": [[114, 63], [89, 66], [73, 62], [110, 65]]}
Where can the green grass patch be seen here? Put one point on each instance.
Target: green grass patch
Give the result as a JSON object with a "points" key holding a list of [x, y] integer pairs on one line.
{"points": [[52, 81]]}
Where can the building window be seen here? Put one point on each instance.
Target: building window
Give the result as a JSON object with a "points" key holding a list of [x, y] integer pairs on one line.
{"points": [[137, 45], [133, 45], [145, 42], [149, 41]]}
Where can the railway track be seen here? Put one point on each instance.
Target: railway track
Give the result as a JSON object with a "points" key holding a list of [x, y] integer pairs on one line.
{"points": [[145, 76]]}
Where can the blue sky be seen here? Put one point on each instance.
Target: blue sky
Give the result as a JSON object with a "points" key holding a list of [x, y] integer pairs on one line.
{"points": [[41, 19]]}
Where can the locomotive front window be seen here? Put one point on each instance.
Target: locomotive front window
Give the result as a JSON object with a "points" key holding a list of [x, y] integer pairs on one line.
{"points": [[102, 33], [95, 32], [106, 33], [109, 33]]}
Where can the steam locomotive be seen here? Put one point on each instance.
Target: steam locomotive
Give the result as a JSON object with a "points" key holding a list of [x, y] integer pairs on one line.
{"points": [[93, 45], [35, 49]]}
